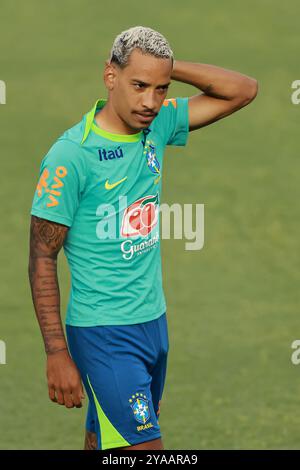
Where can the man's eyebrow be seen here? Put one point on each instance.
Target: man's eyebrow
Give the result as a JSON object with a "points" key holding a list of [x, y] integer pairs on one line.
{"points": [[148, 84]]}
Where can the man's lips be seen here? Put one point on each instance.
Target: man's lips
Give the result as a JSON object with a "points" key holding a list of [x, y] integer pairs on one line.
{"points": [[145, 115]]}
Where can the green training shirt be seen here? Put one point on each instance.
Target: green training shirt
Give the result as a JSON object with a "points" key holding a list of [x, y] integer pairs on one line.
{"points": [[106, 187]]}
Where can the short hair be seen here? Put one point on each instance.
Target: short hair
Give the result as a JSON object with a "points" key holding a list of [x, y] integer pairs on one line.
{"points": [[146, 39]]}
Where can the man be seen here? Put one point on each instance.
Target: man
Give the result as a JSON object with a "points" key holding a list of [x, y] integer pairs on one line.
{"points": [[103, 177]]}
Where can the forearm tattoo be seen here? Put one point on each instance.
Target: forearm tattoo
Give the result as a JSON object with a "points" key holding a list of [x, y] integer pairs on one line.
{"points": [[46, 239]]}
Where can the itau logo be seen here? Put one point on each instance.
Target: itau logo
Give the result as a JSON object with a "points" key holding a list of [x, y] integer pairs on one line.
{"points": [[2, 92], [140, 218]]}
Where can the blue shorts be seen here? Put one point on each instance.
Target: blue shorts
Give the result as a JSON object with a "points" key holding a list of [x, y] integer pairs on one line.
{"points": [[123, 369]]}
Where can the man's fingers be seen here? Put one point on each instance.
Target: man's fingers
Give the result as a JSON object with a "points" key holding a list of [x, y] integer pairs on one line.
{"points": [[60, 397], [52, 394], [78, 395], [68, 400], [67, 396]]}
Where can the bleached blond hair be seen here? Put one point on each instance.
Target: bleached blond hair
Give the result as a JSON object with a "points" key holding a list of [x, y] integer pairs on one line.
{"points": [[146, 39]]}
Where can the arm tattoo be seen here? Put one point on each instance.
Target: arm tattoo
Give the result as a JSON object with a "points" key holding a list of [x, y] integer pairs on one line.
{"points": [[46, 239]]}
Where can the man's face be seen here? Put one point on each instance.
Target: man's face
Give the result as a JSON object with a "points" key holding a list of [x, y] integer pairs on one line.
{"points": [[138, 90]]}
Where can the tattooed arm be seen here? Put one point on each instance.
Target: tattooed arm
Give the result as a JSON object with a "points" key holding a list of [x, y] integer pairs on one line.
{"points": [[46, 240]]}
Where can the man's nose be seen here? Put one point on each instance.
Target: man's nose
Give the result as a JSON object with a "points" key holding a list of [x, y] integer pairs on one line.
{"points": [[149, 100]]}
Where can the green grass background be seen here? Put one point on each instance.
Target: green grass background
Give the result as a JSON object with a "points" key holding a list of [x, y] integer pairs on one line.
{"points": [[234, 306]]}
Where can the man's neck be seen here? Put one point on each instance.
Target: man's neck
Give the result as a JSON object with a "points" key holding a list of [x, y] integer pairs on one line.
{"points": [[109, 121]]}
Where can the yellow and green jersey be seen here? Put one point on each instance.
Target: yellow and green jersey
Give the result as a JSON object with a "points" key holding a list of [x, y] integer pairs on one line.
{"points": [[107, 187]]}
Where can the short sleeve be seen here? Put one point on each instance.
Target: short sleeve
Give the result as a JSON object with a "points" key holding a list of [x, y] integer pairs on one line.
{"points": [[173, 121], [61, 183]]}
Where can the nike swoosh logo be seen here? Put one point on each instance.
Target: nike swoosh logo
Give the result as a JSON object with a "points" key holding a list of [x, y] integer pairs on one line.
{"points": [[113, 185]]}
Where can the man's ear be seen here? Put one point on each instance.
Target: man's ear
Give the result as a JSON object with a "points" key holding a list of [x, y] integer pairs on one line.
{"points": [[110, 74]]}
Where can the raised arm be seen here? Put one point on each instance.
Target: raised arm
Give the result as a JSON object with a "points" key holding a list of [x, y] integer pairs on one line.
{"points": [[224, 91], [46, 240]]}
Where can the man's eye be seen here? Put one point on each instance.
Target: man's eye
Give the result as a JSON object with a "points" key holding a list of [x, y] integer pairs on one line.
{"points": [[139, 85]]}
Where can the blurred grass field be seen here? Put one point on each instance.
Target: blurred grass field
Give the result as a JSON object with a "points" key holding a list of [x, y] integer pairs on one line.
{"points": [[234, 306]]}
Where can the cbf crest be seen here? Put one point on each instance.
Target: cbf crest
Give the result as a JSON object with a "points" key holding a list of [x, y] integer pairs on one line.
{"points": [[152, 161], [140, 407]]}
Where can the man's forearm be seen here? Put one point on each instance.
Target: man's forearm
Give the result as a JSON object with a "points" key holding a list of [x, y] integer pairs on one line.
{"points": [[46, 300], [46, 239], [212, 80]]}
